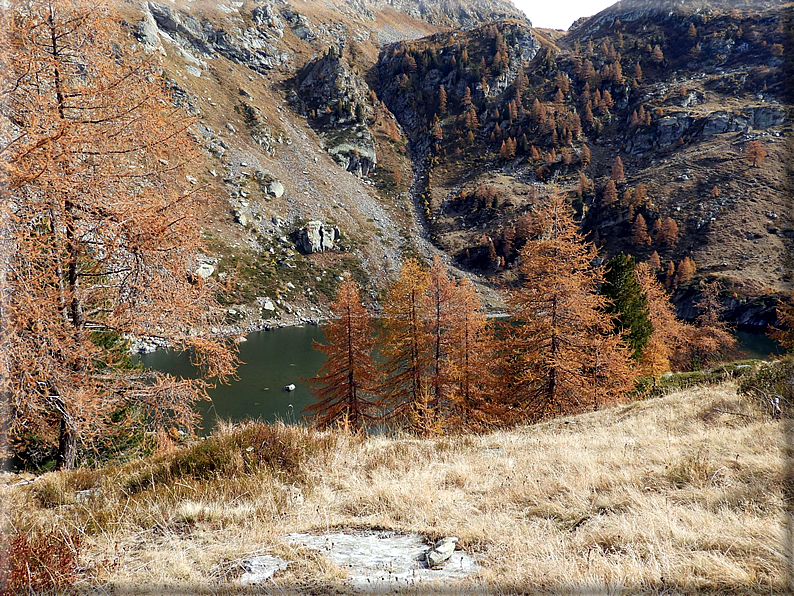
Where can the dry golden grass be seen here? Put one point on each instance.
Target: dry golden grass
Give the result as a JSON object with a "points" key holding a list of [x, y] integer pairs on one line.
{"points": [[671, 495]]}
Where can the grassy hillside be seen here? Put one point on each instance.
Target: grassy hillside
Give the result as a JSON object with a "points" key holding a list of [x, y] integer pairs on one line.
{"points": [[679, 494]]}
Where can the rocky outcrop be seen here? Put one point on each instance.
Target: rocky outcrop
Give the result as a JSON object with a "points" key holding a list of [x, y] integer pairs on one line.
{"points": [[463, 13], [260, 131], [440, 552], [253, 47], [522, 46], [336, 101], [275, 189], [317, 236], [667, 131]]}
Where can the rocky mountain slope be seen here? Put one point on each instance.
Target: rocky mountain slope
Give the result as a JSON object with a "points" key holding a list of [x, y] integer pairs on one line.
{"points": [[327, 149]]}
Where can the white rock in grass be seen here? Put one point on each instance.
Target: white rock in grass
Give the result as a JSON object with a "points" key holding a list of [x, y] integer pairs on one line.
{"points": [[205, 270], [259, 569], [440, 552]]}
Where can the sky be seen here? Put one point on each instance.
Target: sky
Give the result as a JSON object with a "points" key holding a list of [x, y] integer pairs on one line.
{"points": [[560, 14]]}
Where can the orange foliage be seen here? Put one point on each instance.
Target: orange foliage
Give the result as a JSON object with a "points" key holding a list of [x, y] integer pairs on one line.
{"points": [[785, 334], [670, 334], [344, 384], [103, 230], [562, 355]]}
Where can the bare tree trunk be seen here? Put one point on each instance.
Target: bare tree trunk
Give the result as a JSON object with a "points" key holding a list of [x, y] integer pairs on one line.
{"points": [[67, 438]]}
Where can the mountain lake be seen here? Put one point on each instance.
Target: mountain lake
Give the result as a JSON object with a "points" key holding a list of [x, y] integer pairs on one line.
{"points": [[272, 360]]}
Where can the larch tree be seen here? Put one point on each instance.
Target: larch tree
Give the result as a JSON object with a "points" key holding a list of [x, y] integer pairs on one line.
{"points": [[669, 333], [755, 153], [344, 384], [685, 271], [711, 337], [610, 196], [785, 332], [654, 262], [562, 360], [668, 232], [618, 174], [101, 232], [406, 348], [639, 231], [471, 362], [442, 100], [442, 310]]}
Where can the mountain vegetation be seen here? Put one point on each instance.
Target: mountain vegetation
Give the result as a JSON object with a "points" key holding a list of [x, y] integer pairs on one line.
{"points": [[101, 235], [531, 250]]}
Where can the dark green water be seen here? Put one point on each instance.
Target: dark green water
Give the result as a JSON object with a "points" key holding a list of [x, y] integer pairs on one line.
{"points": [[756, 346], [271, 360]]}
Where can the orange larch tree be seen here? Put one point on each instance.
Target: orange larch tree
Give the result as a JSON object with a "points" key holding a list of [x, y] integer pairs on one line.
{"points": [[343, 386], [785, 333], [755, 153], [471, 362], [442, 309], [562, 357], [405, 345], [670, 334], [711, 337], [102, 232], [639, 231]]}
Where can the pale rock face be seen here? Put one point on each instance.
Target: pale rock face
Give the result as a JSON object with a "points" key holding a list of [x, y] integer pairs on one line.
{"points": [[364, 557], [260, 569], [317, 237], [147, 33], [276, 189]]}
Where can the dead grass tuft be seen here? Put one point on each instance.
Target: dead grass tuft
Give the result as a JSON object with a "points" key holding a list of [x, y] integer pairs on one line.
{"points": [[677, 494]]}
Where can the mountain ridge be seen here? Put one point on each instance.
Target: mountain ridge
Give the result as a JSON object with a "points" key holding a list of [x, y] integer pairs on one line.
{"points": [[319, 79]]}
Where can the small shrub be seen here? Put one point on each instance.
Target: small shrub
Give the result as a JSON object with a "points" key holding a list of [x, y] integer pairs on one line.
{"points": [[649, 387], [772, 387], [51, 491], [694, 470], [39, 562], [277, 449]]}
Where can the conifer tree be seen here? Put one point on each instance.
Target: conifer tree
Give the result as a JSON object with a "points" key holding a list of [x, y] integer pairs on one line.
{"points": [[668, 232], [442, 100], [654, 262], [685, 271], [470, 362], [465, 101], [343, 386], [405, 345], [669, 275], [561, 356], [668, 339], [442, 309], [711, 337], [472, 123], [101, 230], [785, 333], [657, 55], [610, 196], [618, 174], [639, 231], [628, 303], [755, 153]]}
